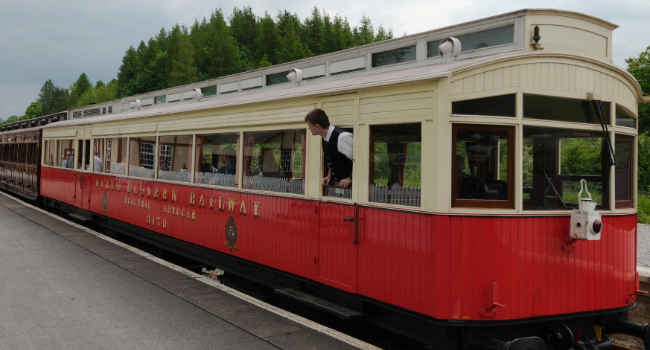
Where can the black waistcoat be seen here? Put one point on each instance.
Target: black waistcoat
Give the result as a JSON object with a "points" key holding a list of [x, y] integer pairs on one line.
{"points": [[340, 164]]}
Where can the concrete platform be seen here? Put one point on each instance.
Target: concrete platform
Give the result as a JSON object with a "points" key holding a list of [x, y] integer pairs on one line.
{"points": [[63, 286]]}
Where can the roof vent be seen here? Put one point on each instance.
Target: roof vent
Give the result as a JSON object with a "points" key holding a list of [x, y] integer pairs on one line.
{"points": [[196, 94], [449, 48], [295, 76], [137, 104]]}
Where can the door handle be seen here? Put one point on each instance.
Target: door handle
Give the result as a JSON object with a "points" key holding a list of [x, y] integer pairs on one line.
{"points": [[81, 182], [356, 222]]}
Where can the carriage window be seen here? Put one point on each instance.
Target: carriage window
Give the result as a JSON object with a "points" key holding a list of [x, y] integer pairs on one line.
{"points": [[216, 159], [66, 154], [277, 78], [273, 161], [142, 155], [209, 90], [395, 164], [51, 151], [83, 151], [479, 40], [624, 118], [333, 189], [98, 155], [563, 109], [175, 153], [554, 162], [483, 166], [116, 151], [624, 149], [403, 54], [499, 106]]}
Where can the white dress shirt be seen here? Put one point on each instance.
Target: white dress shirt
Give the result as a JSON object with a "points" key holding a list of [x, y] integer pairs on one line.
{"points": [[344, 145]]}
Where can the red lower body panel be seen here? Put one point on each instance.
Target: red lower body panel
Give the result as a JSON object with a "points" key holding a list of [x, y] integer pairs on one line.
{"points": [[447, 267]]}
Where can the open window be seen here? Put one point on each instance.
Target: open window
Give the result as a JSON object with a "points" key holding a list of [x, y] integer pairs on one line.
{"points": [[333, 189], [395, 164], [174, 154], [555, 160], [483, 166], [274, 161], [142, 156], [217, 157]]}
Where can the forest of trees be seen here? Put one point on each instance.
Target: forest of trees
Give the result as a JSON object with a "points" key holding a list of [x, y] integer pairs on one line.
{"points": [[211, 48]]}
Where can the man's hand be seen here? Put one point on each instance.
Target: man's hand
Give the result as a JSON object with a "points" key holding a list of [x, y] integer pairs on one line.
{"points": [[345, 182], [326, 180]]}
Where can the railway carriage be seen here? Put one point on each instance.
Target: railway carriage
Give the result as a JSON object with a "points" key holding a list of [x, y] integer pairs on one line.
{"points": [[471, 144]]}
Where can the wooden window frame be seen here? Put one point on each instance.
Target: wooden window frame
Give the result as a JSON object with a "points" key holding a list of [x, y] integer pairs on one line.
{"points": [[484, 203], [621, 204]]}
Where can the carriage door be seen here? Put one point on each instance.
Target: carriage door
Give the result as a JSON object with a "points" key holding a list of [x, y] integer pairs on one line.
{"points": [[337, 250], [82, 175]]}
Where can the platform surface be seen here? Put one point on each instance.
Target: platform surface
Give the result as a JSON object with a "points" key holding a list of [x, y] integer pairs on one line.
{"points": [[63, 287]]}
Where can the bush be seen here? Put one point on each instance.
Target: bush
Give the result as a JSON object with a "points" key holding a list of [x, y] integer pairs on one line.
{"points": [[644, 208]]}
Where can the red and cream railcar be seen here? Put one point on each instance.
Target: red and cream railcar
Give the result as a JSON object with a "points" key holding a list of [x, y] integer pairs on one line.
{"points": [[20, 152], [470, 143]]}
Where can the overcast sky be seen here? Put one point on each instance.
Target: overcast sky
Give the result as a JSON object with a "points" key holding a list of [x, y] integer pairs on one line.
{"points": [[60, 39]]}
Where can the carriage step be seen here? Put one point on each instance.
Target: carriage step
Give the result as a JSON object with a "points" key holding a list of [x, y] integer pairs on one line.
{"points": [[81, 217], [319, 303]]}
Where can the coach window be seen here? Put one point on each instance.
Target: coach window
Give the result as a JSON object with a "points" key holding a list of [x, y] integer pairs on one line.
{"points": [[66, 154], [98, 155], [51, 151], [83, 160], [624, 168], [333, 189], [623, 118], [175, 153], [554, 162], [116, 151], [395, 164], [142, 156], [498, 106], [274, 161], [483, 166], [564, 109], [216, 159]]}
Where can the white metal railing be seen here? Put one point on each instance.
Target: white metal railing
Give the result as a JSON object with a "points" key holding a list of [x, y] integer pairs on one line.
{"points": [[395, 195], [274, 184], [214, 179], [118, 168], [339, 192], [140, 172], [182, 176]]}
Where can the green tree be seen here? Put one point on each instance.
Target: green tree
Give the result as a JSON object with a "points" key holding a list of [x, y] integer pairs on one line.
{"points": [[34, 110], [269, 39], [365, 34], [221, 52], [46, 97], [313, 32], [181, 55], [245, 29], [639, 67], [13, 118], [341, 34], [100, 94], [131, 67], [291, 48], [382, 34], [82, 85], [99, 84]]}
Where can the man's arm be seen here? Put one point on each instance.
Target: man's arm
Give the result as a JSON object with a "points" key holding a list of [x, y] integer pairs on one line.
{"points": [[345, 143]]}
